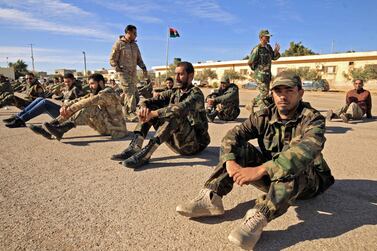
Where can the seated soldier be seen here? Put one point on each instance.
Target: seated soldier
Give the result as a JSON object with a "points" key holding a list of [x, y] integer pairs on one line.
{"points": [[179, 119], [41, 105], [32, 90], [358, 103], [224, 102], [6, 91], [288, 166], [101, 110], [169, 84]]}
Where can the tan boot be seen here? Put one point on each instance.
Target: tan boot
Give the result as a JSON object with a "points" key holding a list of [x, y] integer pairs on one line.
{"points": [[247, 234], [207, 203]]}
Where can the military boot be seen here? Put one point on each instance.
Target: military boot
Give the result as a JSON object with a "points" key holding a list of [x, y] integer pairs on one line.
{"points": [[142, 157], [16, 123], [10, 119], [59, 129], [207, 203], [132, 117], [329, 115], [248, 233], [40, 131], [211, 115], [345, 117], [134, 147]]}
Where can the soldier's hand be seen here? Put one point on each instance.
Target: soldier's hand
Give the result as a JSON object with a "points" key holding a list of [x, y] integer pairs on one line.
{"points": [[210, 101], [249, 174], [142, 114], [277, 48], [63, 111], [232, 167]]}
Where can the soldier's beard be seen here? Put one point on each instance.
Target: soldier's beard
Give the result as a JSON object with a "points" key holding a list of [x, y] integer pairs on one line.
{"points": [[182, 85], [96, 91]]}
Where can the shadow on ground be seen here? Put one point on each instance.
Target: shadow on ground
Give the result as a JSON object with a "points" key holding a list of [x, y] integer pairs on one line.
{"points": [[337, 129], [348, 205]]}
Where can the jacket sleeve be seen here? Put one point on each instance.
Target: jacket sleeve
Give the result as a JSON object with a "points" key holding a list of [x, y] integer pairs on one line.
{"points": [[140, 61], [158, 101], [275, 56], [229, 95], [369, 106], [114, 56], [102, 98], [194, 102], [253, 58], [239, 136], [301, 152]]}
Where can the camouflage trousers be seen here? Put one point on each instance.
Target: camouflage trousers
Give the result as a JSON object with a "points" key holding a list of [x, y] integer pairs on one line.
{"points": [[131, 94], [263, 99], [177, 133], [227, 113], [353, 110], [6, 100], [95, 118], [279, 195]]}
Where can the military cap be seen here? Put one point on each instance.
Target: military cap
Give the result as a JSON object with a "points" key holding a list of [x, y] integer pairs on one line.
{"points": [[264, 33], [287, 79], [225, 79]]}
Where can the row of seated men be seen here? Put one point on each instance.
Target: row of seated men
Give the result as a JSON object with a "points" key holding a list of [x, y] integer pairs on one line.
{"points": [[288, 165]]}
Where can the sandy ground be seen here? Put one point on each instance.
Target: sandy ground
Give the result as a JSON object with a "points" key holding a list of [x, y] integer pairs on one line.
{"points": [[69, 195]]}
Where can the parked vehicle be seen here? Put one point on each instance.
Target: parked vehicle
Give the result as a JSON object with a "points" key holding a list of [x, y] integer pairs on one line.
{"points": [[316, 85], [250, 86]]}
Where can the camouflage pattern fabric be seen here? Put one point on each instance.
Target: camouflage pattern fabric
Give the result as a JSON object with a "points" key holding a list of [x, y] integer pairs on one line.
{"points": [[102, 112], [353, 110], [125, 57], [181, 123], [6, 93], [260, 61], [227, 102], [291, 153]]}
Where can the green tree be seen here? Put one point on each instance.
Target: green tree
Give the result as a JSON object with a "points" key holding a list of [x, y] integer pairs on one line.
{"points": [[206, 74], [20, 68], [297, 49], [305, 73], [234, 75], [367, 73]]}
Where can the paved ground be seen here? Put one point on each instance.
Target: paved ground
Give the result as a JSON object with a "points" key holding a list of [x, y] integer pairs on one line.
{"points": [[69, 195]]}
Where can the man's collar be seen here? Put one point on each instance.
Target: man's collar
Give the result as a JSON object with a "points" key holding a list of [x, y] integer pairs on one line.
{"points": [[275, 118]]}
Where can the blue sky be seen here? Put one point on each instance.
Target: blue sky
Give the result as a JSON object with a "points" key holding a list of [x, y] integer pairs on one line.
{"points": [[210, 30]]}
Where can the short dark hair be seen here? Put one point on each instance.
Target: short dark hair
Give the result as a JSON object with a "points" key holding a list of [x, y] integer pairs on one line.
{"points": [[361, 80], [187, 65], [129, 27], [69, 75], [169, 79], [97, 77], [30, 74]]}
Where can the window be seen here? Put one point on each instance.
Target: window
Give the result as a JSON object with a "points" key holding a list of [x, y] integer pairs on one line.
{"points": [[281, 69], [330, 69], [243, 71], [351, 63]]}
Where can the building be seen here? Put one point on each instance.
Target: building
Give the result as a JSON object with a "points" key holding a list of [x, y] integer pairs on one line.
{"points": [[331, 67], [8, 72], [62, 72]]}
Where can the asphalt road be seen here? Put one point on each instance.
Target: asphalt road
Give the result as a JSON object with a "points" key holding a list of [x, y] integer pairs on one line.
{"points": [[69, 195]]}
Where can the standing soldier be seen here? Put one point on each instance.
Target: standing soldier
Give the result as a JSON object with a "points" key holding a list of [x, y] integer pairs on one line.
{"points": [[125, 56], [260, 61]]}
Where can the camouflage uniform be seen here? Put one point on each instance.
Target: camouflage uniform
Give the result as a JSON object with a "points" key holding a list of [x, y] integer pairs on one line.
{"points": [[181, 121], [290, 151], [102, 112], [6, 93], [31, 91], [124, 58], [227, 102], [260, 61]]}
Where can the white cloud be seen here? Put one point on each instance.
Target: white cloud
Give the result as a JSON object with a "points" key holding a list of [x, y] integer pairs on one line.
{"points": [[27, 21], [209, 9]]}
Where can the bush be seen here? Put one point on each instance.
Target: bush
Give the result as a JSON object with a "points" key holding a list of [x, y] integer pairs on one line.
{"points": [[215, 84]]}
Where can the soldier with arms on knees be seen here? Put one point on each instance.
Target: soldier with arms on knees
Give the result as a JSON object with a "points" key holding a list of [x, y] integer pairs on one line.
{"points": [[288, 166], [260, 61], [125, 57], [224, 102], [179, 118], [358, 104], [101, 110]]}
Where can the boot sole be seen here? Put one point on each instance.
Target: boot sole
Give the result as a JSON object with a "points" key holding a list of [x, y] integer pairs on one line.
{"points": [[191, 215], [236, 242]]}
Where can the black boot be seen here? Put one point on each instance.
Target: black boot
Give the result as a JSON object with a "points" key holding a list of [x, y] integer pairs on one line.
{"points": [[134, 147], [211, 115], [16, 123], [40, 131], [10, 119], [142, 157], [59, 130]]}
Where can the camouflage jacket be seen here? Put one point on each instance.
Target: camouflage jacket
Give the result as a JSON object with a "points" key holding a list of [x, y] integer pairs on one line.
{"points": [[73, 93], [5, 90], [228, 96], [108, 103], [125, 56], [261, 58], [175, 103], [290, 147], [34, 90]]}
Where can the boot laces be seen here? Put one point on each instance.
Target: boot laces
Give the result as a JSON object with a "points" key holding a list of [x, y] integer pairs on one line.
{"points": [[255, 221]]}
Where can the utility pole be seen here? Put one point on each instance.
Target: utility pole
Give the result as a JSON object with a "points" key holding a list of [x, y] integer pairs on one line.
{"points": [[332, 46], [32, 56], [84, 63], [7, 62]]}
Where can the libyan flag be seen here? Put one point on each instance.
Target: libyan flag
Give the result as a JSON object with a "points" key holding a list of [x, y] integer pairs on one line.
{"points": [[173, 32]]}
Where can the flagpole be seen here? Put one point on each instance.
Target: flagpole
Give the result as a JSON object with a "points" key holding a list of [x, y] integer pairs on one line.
{"points": [[167, 51]]}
